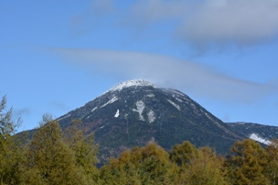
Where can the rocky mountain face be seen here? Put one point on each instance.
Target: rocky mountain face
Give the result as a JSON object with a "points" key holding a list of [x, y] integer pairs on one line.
{"points": [[136, 111], [260, 133]]}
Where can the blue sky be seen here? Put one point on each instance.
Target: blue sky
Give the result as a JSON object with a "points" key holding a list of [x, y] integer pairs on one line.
{"points": [[56, 57]]}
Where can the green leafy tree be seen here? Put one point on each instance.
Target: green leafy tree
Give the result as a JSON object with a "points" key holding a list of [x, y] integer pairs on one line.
{"points": [[10, 151]]}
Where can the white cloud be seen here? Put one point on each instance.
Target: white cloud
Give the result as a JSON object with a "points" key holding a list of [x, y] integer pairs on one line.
{"points": [[242, 22], [213, 22], [199, 23], [166, 71]]}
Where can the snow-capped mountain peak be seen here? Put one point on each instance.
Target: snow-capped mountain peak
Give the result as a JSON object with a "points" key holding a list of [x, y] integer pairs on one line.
{"points": [[130, 83]]}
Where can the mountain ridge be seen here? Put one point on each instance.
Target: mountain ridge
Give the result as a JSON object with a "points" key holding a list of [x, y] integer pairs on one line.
{"points": [[135, 112]]}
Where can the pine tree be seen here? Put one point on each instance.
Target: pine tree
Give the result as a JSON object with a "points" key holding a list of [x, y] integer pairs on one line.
{"points": [[181, 154], [121, 171], [272, 165], [247, 164], [147, 165], [155, 166], [84, 149], [204, 168], [10, 151], [49, 160]]}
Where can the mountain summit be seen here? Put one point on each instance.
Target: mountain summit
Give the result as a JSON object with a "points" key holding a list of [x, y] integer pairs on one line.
{"points": [[132, 83], [136, 111]]}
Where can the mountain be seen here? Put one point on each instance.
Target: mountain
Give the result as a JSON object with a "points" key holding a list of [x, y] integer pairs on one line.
{"points": [[255, 131], [136, 111]]}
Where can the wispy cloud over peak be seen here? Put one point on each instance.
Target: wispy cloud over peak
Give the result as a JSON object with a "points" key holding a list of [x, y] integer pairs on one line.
{"points": [[167, 71]]}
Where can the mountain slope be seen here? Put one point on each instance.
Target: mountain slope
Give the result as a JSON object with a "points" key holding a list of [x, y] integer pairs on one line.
{"points": [[135, 112], [255, 131]]}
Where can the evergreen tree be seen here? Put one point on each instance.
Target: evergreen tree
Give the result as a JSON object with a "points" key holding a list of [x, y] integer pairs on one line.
{"points": [[49, 160], [147, 165], [10, 151], [272, 165], [155, 165], [121, 171], [247, 164], [204, 168], [84, 149], [181, 154]]}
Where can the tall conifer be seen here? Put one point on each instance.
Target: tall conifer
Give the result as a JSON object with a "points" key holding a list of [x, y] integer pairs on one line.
{"points": [[10, 151], [49, 160]]}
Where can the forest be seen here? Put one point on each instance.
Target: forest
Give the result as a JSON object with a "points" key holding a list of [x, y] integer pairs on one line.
{"points": [[56, 157]]}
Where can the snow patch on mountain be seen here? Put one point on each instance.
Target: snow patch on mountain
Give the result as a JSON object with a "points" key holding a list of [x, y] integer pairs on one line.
{"points": [[117, 113], [178, 99], [150, 95], [140, 105], [151, 116], [255, 137], [212, 119], [110, 101], [131, 83], [64, 117], [174, 104], [94, 109], [208, 116], [178, 93]]}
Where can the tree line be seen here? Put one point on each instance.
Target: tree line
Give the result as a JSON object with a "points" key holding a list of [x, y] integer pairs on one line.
{"points": [[56, 157]]}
